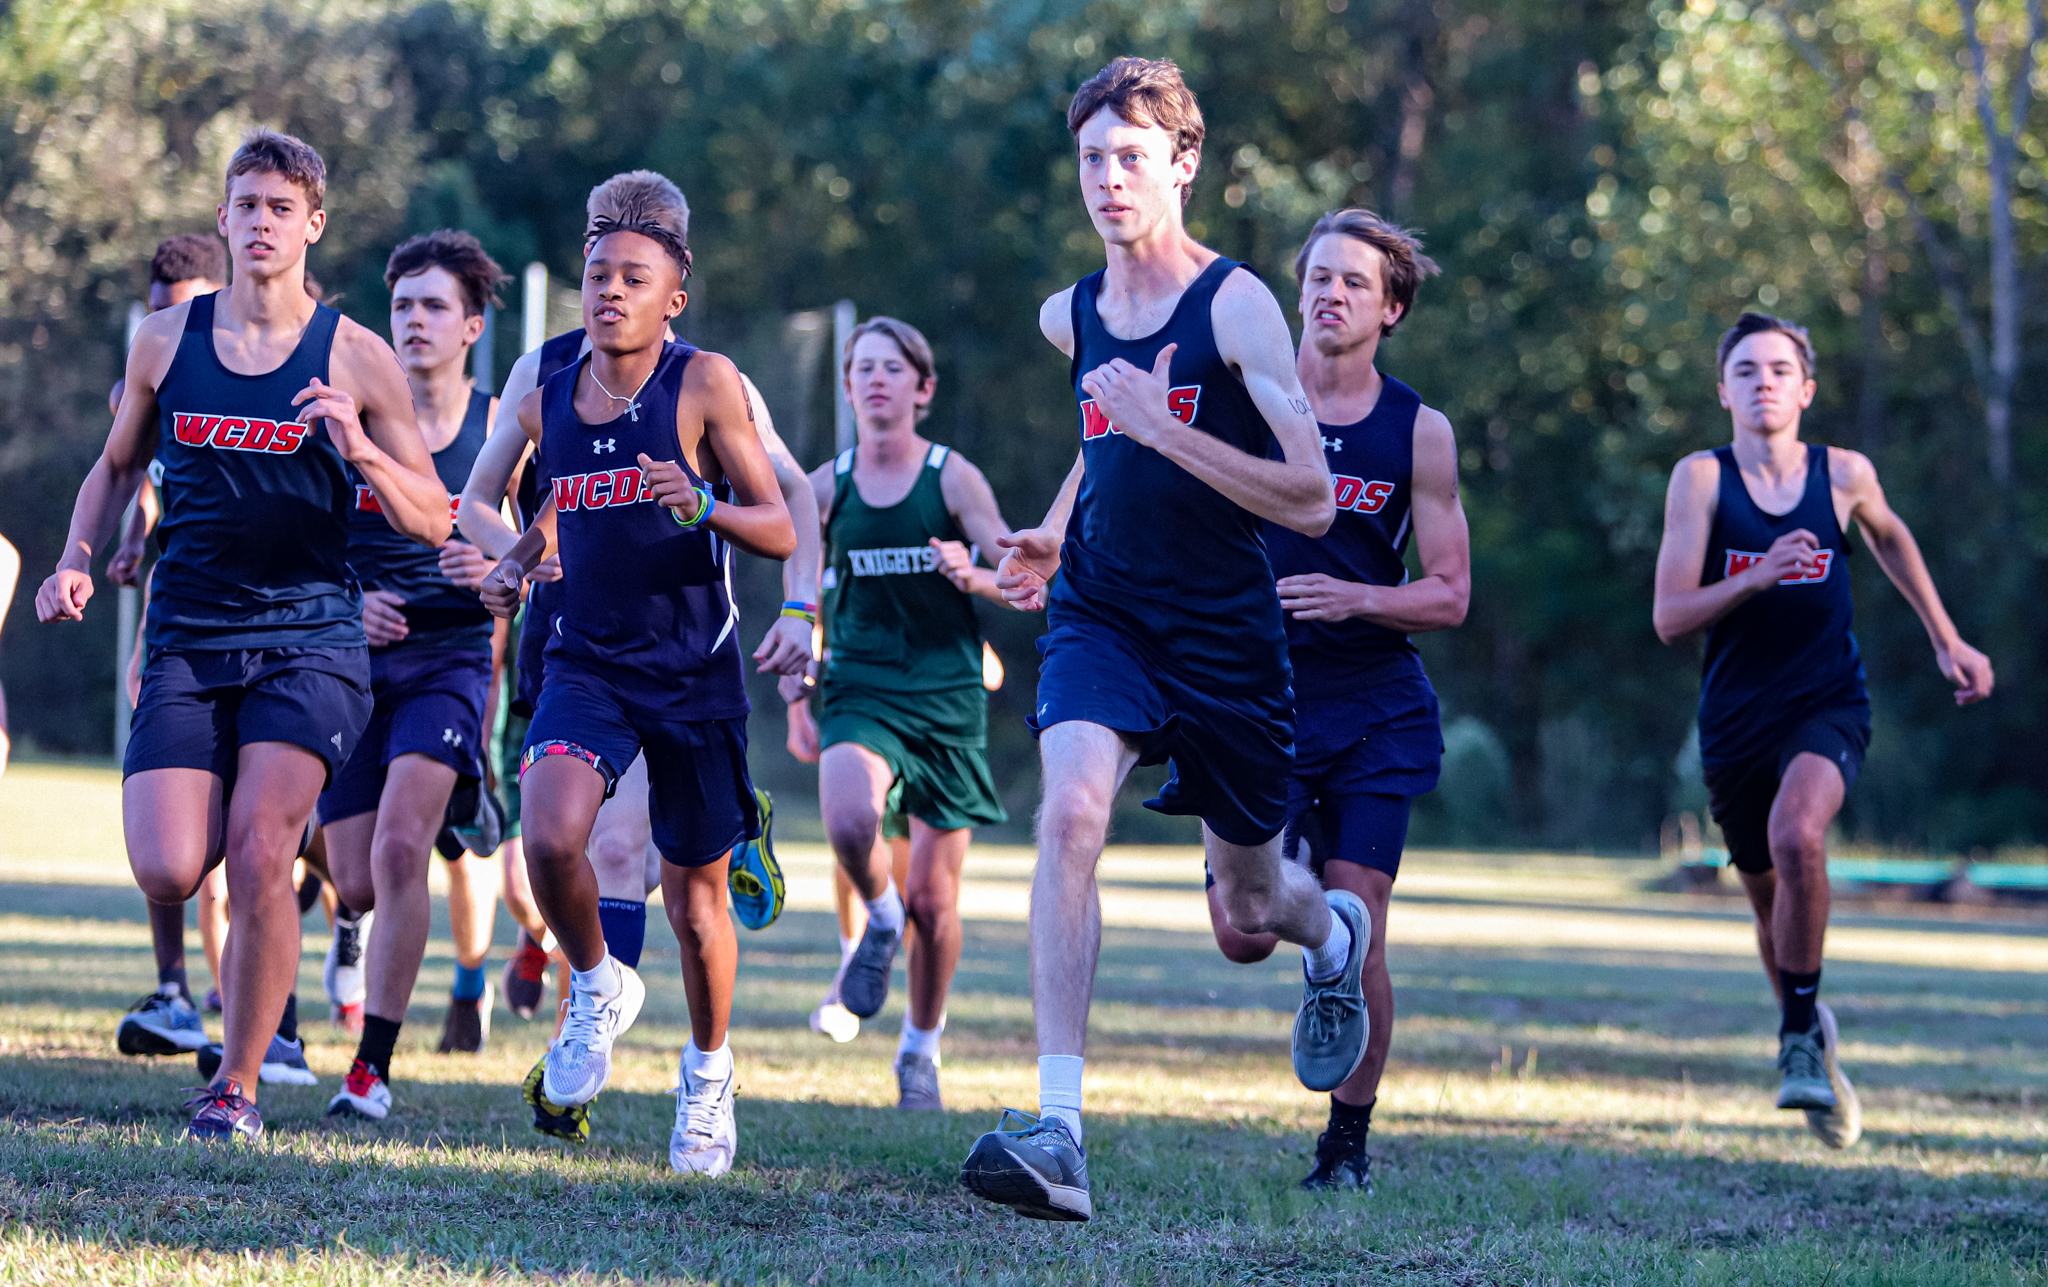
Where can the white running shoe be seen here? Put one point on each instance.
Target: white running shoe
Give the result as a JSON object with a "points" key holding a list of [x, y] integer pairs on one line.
{"points": [[831, 1018], [580, 1061], [1842, 1125], [363, 1094], [705, 1136], [342, 972]]}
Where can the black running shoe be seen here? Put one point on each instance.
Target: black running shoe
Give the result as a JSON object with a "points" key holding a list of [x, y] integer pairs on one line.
{"points": [[1341, 1162], [864, 983], [1035, 1169], [224, 1113]]}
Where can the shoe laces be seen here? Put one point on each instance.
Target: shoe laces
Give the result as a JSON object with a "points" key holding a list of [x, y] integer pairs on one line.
{"points": [[702, 1105], [223, 1099], [1801, 1057], [587, 1015], [1325, 1007]]}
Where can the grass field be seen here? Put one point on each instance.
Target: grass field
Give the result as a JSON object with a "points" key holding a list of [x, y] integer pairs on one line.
{"points": [[1579, 1094]]}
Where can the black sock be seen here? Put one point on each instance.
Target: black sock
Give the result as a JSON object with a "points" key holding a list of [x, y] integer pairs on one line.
{"points": [[380, 1037], [625, 929], [1801, 991], [309, 892], [1351, 1119], [341, 909], [174, 974], [288, 1027]]}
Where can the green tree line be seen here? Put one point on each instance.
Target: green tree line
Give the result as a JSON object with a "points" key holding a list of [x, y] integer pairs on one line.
{"points": [[1605, 185]]}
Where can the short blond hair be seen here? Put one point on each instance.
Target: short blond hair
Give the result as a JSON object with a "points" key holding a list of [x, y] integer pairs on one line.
{"points": [[644, 202], [909, 341]]}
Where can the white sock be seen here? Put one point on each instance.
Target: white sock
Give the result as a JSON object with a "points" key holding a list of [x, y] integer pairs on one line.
{"points": [[918, 1041], [602, 981], [1327, 962], [846, 946], [1059, 1090], [885, 910], [715, 1066]]}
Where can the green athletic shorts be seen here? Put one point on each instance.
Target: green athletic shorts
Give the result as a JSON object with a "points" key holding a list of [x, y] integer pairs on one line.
{"points": [[934, 743]]}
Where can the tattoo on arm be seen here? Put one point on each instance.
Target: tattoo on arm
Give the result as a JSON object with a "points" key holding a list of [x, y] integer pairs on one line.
{"points": [[747, 398], [1300, 405]]}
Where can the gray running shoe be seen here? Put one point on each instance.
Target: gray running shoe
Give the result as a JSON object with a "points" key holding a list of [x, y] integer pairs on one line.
{"points": [[1842, 1125], [917, 1084], [705, 1137], [580, 1061], [1036, 1169], [864, 983], [162, 1023], [1805, 1070], [1331, 1028], [283, 1062]]}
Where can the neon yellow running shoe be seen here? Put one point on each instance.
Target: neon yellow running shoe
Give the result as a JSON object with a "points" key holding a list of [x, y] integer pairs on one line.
{"points": [[755, 878], [571, 1123]]}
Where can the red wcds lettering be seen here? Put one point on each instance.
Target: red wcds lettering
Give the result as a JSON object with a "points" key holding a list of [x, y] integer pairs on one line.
{"points": [[1360, 496], [600, 490], [1740, 561], [238, 433], [1182, 401]]}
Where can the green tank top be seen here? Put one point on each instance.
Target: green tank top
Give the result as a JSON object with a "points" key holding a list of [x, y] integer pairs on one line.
{"points": [[892, 619]]}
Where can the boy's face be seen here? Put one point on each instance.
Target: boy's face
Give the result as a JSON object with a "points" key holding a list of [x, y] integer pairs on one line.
{"points": [[1764, 384], [884, 388], [1344, 300], [428, 325], [1130, 179], [268, 221], [631, 288]]}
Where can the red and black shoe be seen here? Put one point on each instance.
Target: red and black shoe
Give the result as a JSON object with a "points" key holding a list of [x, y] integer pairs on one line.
{"points": [[524, 985], [224, 1113]]}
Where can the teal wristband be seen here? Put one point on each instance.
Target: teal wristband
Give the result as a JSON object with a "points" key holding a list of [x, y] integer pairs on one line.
{"points": [[705, 504]]}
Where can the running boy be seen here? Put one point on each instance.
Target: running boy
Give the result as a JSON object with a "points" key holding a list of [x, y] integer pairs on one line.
{"points": [[430, 660], [1754, 553], [1166, 640], [656, 473], [258, 681], [905, 716]]}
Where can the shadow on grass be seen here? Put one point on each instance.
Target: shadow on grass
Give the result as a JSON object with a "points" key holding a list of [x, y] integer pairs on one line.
{"points": [[872, 1192]]}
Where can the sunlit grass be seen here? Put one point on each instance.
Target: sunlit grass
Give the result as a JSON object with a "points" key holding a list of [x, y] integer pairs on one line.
{"points": [[1561, 1109]]}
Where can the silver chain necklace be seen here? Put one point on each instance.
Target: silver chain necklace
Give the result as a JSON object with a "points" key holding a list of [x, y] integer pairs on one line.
{"points": [[631, 401]]}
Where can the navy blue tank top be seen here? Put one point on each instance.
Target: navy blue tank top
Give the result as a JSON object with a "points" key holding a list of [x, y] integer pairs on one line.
{"points": [[255, 525], [1783, 654], [643, 604], [1152, 552], [438, 614], [1373, 464]]}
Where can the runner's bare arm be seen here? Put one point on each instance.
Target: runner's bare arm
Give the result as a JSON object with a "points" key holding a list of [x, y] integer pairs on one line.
{"points": [[370, 420], [972, 502], [1438, 599], [1252, 336], [755, 520], [491, 476], [1056, 321], [501, 589], [1889, 539], [461, 561], [786, 648], [1681, 604], [1033, 555], [121, 468]]}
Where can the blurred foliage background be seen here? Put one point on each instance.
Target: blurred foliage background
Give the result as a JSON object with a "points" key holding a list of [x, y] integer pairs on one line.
{"points": [[1606, 185]]}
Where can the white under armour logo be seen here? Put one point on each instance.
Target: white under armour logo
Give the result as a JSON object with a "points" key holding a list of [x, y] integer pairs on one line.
{"points": [[1333, 444], [450, 737], [337, 741], [605, 444]]}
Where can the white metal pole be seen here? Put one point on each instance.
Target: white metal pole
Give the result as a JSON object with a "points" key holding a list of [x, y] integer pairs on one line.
{"points": [[533, 308], [843, 318], [128, 602], [481, 355]]}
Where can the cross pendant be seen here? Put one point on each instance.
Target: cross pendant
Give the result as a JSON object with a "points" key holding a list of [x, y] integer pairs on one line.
{"points": [[633, 412]]}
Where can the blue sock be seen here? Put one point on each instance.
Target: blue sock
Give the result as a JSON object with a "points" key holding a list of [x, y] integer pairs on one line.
{"points": [[469, 982], [625, 929]]}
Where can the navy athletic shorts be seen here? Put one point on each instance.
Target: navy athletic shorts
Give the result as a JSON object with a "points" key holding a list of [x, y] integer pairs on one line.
{"points": [[1741, 795], [1358, 761], [429, 701], [699, 795], [1231, 754], [536, 622], [199, 707]]}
